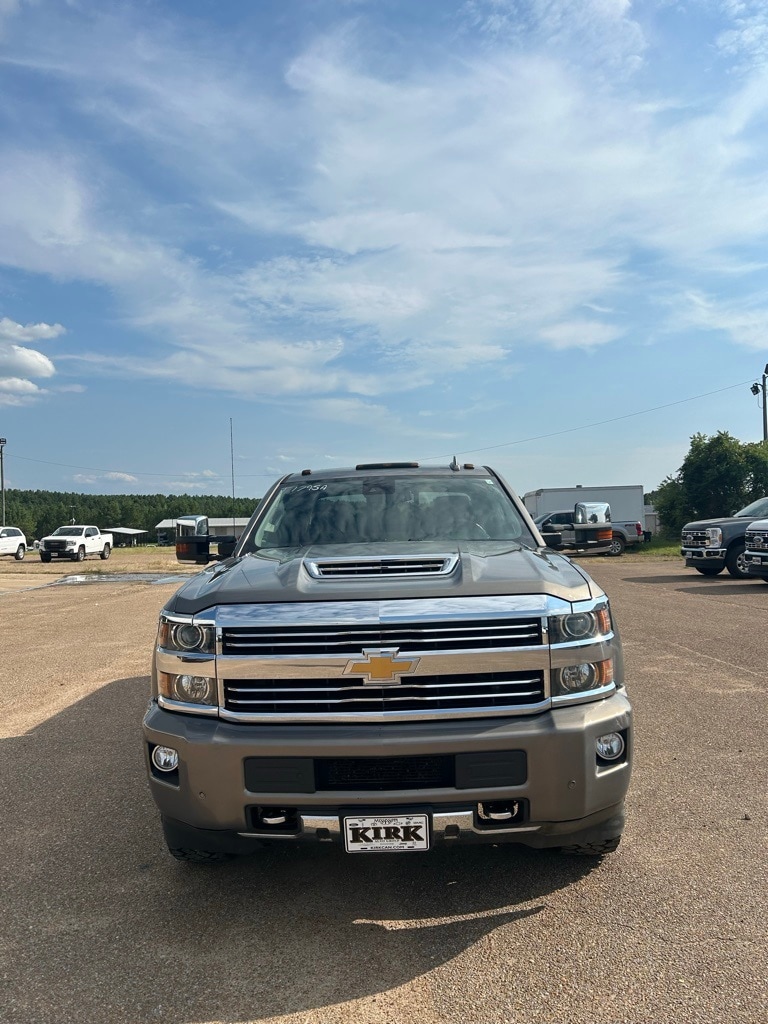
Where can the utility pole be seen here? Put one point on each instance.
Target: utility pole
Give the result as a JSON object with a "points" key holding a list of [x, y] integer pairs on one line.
{"points": [[756, 389], [3, 443]]}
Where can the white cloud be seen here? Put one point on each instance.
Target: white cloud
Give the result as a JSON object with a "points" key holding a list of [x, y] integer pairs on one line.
{"points": [[580, 334], [17, 385], [18, 363], [16, 391], [11, 331], [442, 219], [745, 325], [747, 39], [14, 358], [123, 477], [601, 31]]}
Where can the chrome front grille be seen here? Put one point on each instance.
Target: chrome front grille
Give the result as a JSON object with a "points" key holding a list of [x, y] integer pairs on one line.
{"points": [[424, 696], [757, 541], [377, 660], [409, 638], [694, 539]]}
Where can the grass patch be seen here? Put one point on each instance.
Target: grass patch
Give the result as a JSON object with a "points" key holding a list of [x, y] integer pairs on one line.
{"points": [[658, 547]]}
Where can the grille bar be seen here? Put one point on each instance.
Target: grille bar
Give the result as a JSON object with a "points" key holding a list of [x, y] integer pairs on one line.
{"points": [[462, 692], [378, 700], [695, 539], [350, 639]]}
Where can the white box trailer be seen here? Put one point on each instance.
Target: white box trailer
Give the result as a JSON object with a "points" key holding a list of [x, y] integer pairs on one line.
{"points": [[626, 502]]}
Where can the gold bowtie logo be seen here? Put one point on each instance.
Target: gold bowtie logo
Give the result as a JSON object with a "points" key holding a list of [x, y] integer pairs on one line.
{"points": [[382, 668]]}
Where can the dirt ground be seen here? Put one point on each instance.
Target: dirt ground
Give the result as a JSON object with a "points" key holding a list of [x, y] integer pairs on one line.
{"points": [[99, 924]]}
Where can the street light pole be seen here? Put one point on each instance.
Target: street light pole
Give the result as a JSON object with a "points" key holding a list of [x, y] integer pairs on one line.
{"points": [[3, 443], [756, 389]]}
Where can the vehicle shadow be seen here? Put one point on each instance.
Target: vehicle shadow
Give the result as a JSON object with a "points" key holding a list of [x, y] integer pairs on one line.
{"points": [[102, 924], [698, 584]]}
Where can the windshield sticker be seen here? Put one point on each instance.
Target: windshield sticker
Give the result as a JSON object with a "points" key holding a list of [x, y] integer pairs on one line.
{"points": [[306, 487]]}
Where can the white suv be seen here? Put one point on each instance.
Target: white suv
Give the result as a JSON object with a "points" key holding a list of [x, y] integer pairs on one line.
{"points": [[12, 542]]}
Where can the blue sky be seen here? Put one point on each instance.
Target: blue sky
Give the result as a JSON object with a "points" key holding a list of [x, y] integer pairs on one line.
{"points": [[523, 231]]}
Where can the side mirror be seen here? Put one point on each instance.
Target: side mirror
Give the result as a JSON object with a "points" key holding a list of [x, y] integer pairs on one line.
{"points": [[193, 542], [226, 546], [591, 512], [553, 539]]}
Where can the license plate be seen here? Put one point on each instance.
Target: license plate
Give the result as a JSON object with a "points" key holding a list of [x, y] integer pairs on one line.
{"points": [[386, 833]]}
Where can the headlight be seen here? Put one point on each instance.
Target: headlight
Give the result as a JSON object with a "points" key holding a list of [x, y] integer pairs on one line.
{"points": [[581, 678], [70, 543], [187, 688], [564, 629], [187, 637], [714, 537]]}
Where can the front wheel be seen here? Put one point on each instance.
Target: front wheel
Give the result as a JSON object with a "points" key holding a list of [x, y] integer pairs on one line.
{"points": [[618, 544], [709, 570], [105, 553], [20, 552], [736, 562], [45, 558], [80, 556]]}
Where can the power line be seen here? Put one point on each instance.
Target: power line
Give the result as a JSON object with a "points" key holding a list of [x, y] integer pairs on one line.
{"points": [[583, 426], [429, 458]]}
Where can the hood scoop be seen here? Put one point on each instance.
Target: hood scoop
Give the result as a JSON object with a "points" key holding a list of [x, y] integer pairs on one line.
{"points": [[380, 568]]}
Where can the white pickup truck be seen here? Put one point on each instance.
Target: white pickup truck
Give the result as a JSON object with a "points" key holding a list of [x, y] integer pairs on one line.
{"points": [[75, 542]]}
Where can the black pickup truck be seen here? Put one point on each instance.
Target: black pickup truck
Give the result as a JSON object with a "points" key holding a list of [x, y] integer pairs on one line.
{"points": [[711, 545]]}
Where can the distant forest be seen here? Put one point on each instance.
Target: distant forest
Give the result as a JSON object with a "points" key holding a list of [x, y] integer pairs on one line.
{"points": [[39, 513]]}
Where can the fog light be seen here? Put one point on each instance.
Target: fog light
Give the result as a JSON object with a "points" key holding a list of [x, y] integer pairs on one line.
{"points": [[195, 689], [610, 747], [577, 677], [165, 759]]}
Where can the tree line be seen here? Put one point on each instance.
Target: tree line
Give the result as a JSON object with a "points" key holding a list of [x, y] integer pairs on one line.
{"points": [[719, 476], [39, 513]]}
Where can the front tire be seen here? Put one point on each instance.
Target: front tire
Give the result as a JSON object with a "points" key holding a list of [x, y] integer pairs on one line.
{"points": [[45, 558], [105, 553], [20, 552], [709, 570], [736, 563], [79, 555], [179, 839], [618, 544]]}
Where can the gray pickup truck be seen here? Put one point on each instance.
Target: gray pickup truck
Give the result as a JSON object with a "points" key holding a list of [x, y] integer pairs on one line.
{"points": [[711, 545], [391, 660], [623, 534]]}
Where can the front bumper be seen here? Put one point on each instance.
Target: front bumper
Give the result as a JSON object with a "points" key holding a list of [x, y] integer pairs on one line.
{"points": [[562, 788], [704, 556], [757, 564]]}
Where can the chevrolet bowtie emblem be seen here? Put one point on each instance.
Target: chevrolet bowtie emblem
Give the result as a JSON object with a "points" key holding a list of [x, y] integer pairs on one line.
{"points": [[382, 668]]}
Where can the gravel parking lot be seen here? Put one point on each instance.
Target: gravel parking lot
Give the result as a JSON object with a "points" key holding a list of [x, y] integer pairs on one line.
{"points": [[101, 925]]}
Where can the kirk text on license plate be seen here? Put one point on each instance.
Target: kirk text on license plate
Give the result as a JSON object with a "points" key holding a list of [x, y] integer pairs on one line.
{"points": [[386, 833]]}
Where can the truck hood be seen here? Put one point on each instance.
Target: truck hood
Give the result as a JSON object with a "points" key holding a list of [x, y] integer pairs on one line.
{"points": [[280, 575], [703, 524]]}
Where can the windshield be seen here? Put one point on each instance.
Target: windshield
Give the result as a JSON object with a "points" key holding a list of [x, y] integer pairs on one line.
{"points": [[68, 531], [757, 510], [382, 509]]}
